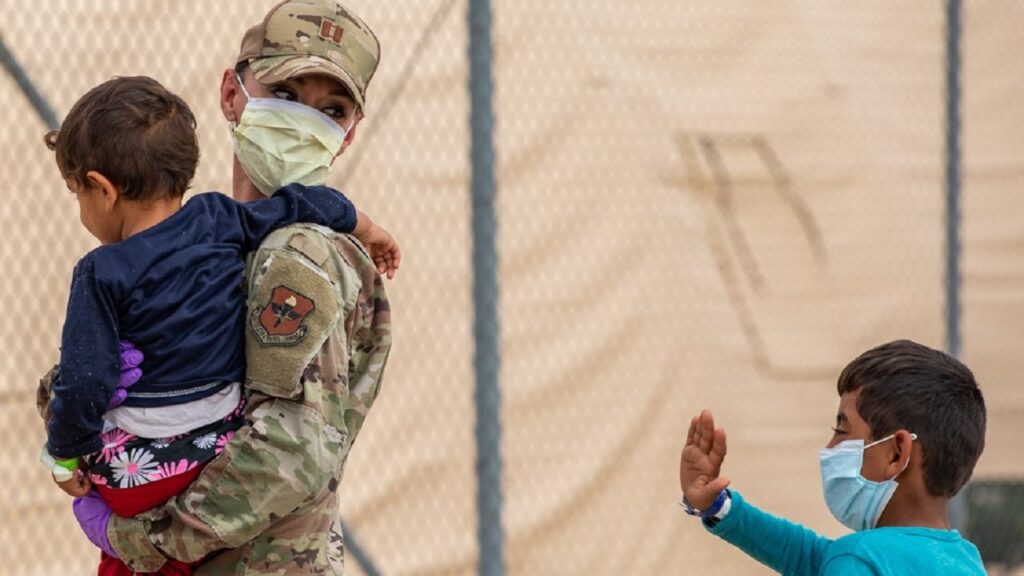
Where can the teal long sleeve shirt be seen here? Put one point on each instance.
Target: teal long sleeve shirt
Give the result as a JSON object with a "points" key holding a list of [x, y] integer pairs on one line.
{"points": [[792, 549]]}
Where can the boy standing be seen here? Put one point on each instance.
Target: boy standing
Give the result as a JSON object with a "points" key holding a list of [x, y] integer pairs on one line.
{"points": [[910, 428]]}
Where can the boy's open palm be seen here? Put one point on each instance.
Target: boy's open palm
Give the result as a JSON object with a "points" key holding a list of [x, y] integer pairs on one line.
{"points": [[701, 462]]}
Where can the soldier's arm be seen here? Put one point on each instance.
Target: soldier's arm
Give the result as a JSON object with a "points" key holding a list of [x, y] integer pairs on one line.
{"points": [[284, 458], [270, 469]]}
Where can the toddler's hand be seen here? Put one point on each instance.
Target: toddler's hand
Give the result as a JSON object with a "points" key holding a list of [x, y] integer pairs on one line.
{"points": [[701, 462], [381, 245], [78, 485], [384, 250]]}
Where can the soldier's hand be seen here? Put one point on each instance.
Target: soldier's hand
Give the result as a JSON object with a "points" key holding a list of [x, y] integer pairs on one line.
{"points": [[131, 359]]}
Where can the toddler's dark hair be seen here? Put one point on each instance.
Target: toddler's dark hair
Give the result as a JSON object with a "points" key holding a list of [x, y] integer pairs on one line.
{"points": [[138, 134]]}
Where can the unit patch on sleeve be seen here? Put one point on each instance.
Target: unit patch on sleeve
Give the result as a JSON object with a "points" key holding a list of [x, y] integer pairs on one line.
{"points": [[280, 321]]}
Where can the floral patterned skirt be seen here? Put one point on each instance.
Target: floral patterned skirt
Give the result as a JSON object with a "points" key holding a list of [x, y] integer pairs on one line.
{"points": [[128, 461]]}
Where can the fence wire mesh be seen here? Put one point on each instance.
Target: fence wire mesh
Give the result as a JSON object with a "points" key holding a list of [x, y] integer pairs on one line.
{"points": [[701, 204]]}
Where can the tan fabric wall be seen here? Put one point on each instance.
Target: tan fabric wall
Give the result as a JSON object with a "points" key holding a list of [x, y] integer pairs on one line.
{"points": [[647, 293], [702, 204], [993, 234]]}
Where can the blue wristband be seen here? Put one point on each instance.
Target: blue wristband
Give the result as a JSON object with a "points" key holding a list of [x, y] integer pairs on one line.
{"points": [[715, 507]]}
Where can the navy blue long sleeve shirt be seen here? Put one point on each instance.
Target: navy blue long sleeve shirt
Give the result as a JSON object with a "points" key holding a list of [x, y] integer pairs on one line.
{"points": [[175, 290]]}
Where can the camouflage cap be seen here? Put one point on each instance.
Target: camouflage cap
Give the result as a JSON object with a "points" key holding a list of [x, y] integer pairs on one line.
{"points": [[299, 37]]}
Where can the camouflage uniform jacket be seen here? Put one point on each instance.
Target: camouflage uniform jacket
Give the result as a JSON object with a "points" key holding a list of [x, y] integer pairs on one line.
{"points": [[317, 339]]}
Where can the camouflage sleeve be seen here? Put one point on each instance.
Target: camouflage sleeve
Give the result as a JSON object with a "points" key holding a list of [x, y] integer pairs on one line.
{"points": [[44, 393], [293, 307], [286, 455], [130, 539]]}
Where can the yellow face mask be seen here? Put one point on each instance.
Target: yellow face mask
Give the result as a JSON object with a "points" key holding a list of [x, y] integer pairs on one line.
{"points": [[280, 142]]}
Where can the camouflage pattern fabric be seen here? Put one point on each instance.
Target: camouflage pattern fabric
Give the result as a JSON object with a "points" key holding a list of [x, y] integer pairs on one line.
{"points": [[318, 338], [44, 393], [301, 37]]}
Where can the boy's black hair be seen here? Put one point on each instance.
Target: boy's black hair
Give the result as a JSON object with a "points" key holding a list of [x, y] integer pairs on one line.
{"points": [[135, 132], [906, 385]]}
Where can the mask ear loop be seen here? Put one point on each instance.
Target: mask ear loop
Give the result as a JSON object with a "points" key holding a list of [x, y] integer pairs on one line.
{"points": [[241, 84], [913, 437], [887, 438]]}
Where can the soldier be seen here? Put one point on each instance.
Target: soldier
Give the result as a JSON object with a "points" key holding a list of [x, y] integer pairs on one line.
{"points": [[317, 336]]}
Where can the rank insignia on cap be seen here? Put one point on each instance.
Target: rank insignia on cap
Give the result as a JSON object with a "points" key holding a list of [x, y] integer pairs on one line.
{"points": [[280, 321], [329, 30]]}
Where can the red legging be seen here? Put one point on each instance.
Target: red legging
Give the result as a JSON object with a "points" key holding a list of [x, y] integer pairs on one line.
{"points": [[128, 502], [110, 566]]}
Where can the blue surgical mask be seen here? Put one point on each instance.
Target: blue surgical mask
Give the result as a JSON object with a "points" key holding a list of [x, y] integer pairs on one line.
{"points": [[854, 500]]}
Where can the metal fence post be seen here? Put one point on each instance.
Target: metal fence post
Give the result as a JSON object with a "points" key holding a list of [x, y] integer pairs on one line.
{"points": [[953, 177], [39, 103], [486, 359], [360, 555], [958, 507]]}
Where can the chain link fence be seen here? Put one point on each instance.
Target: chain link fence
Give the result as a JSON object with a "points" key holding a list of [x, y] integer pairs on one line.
{"points": [[700, 204]]}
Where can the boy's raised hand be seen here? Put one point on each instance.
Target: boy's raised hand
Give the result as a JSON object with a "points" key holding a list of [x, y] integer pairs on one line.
{"points": [[701, 462]]}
